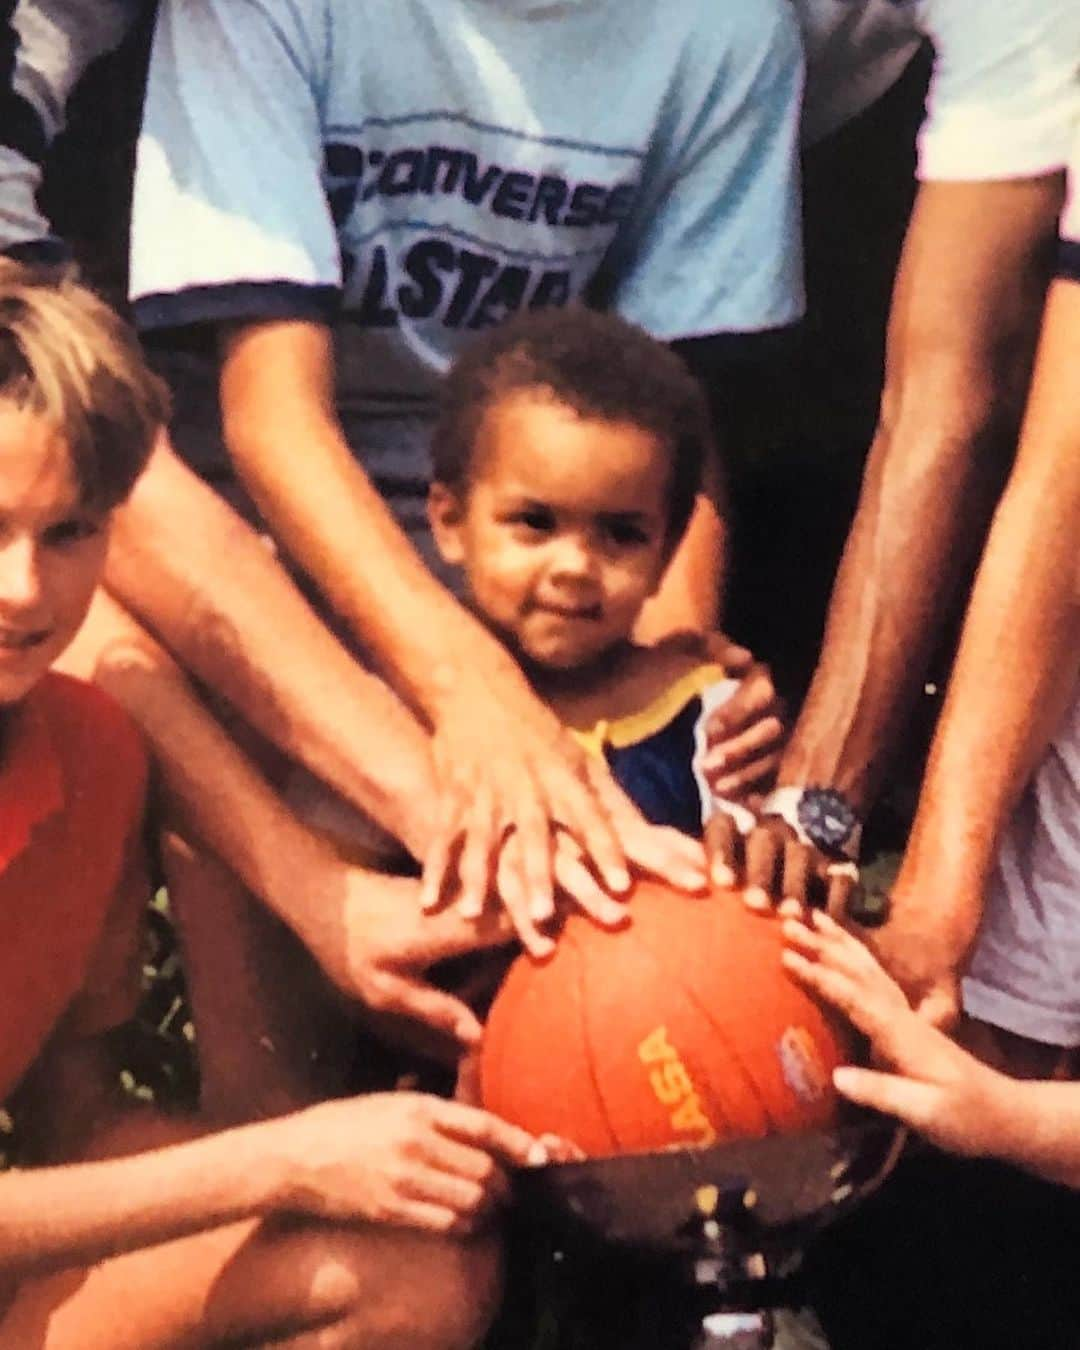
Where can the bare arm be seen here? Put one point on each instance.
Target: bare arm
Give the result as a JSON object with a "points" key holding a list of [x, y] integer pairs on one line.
{"points": [[962, 331], [365, 929], [69, 1107], [1016, 668], [203, 581], [282, 431], [688, 600], [391, 1157]]}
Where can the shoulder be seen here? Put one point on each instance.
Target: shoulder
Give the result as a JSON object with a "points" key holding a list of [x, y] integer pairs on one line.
{"points": [[735, 45], [766, 21], [202, 39], [657, 682], [95, 739], [673, 657]]}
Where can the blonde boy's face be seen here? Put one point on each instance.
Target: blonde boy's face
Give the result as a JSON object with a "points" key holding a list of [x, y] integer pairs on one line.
{"points": [[562, 532], [52, 551]]}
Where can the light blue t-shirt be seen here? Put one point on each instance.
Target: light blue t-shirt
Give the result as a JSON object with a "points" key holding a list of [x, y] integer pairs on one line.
{"points": [[410, 171], [419, 169]]}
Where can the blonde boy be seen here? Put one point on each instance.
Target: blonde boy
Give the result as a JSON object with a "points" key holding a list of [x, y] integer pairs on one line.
{"points": [[355, 1223]]}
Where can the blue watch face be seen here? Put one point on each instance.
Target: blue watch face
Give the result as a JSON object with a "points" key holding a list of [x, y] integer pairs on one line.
{"points": [[827, 817]]}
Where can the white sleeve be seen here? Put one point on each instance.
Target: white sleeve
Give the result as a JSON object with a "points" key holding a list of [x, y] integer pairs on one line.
{"points": [[718, 246], [229, 216], [712, 697], [1003, 96]]}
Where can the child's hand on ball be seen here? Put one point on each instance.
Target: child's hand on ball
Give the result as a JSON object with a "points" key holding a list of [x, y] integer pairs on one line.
{"points": [[938, 1089]]}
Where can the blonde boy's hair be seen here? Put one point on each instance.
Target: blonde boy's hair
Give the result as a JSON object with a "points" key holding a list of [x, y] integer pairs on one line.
{"points": [[67, 357]]}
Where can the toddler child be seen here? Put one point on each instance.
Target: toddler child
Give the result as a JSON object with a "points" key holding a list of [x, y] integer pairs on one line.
{"points": [[567, 459]]}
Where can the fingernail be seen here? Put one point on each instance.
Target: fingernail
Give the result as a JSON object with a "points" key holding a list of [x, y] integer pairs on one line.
{"points": [[619, 879], [468, 1031], [756, 898], [722, 874], [615, 917], [541, 910], [844, 1079], [537, 1156]]}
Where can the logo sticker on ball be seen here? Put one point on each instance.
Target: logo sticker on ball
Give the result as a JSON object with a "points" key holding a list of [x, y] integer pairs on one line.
{"points": [[801, 1065]]}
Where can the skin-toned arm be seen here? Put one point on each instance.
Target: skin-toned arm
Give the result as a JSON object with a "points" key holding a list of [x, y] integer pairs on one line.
{"points": [[399, 1158], [962, 330], [245, 630], [690, 595], [277, 401], [688, 600], [1016, 669], [366, 930], [935, 1087]]}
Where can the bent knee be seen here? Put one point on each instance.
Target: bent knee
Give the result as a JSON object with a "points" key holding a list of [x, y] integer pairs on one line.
{"points": [[375, 1288]]}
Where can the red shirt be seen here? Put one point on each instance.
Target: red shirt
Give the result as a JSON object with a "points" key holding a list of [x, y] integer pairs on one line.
{"points": [[72, 872]]}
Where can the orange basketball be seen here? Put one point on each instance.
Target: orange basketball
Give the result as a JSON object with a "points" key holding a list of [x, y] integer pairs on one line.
{"points": [[680, 1030]]}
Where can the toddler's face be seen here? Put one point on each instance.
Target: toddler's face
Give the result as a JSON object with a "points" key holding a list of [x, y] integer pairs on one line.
{"points": [[52, 550], [563, 528]]}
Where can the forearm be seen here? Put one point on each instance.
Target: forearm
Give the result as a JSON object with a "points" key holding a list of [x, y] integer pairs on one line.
{"points": [[84, 1212], [962, 332], [213, 788], [1019, 655], [1038, 1127], [246, 632], [334, 523], [688, 600], [910, 548]]}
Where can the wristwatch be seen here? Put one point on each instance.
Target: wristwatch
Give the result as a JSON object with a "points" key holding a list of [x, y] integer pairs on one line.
{"points": [[820, 816]]}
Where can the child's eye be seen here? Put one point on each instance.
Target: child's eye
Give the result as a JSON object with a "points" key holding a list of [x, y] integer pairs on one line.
{"points": [[535, 519], [626, 533], [71, 531]]}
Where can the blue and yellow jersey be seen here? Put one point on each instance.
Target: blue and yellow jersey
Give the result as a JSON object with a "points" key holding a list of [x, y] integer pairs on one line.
{"points": [[655, 754]]}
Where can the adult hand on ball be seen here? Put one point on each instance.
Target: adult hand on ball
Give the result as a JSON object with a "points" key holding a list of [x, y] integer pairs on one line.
{"points": [[744, 735], [774, 866], [925, 958], [525, 812], [374, 941]]}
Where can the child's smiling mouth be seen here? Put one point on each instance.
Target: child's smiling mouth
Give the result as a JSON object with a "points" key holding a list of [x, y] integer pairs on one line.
{"points": [[585, 613]]}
